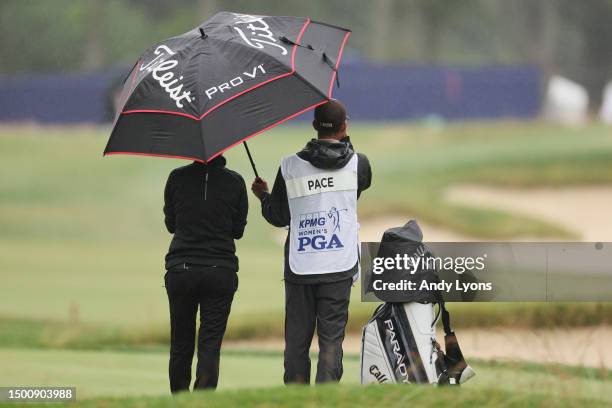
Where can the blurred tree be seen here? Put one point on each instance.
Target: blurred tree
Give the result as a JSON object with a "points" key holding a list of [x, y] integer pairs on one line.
{"points": [[207, 8], [159, 10], [95, 29], [593, 59], [435, 15], [41, 36], [381, 29], [561, 36]]}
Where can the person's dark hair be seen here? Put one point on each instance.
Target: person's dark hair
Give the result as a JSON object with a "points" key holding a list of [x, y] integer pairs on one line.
{"points": [[329, 117]]}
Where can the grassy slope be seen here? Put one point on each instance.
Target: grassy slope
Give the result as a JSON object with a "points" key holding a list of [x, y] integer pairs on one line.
{"points": [[118, 374], [354, 396], [82, 241], [59, 334]]}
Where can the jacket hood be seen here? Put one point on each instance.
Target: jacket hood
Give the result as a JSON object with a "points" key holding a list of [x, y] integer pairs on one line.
{"points": [[218, 161], [325, 154]]}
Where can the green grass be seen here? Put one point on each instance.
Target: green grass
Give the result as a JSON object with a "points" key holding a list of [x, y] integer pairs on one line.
{"points": [[82, 239], [61, 334], [100, 376], [353, 396]]}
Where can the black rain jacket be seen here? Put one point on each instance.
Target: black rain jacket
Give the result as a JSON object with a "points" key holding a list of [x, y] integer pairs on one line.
{"points": [[205, 207]]}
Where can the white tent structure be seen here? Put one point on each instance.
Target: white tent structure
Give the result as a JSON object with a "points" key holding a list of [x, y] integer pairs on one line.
{"points": [[605, 113], [567, 102]]}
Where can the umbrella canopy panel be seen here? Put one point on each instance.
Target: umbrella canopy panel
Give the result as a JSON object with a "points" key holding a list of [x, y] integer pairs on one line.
{"points": [[196, 95]]}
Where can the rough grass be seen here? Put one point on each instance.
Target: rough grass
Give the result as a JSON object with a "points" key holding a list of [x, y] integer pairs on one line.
{"points": [[353, 396], [58, 334], [106, 378], [82, 240]]}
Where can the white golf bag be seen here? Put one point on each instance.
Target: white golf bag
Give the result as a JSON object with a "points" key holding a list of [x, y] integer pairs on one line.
{"points": [[399, 345]]}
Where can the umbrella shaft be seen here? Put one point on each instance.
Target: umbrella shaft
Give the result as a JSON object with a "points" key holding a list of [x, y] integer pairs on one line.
{"points": [[250, 158]]}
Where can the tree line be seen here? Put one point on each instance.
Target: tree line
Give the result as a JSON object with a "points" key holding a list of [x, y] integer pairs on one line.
{"points": [[567, 37]]}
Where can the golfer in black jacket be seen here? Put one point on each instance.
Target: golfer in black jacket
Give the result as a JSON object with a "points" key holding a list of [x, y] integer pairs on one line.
{"points": [[315, 194], [206, 209]]}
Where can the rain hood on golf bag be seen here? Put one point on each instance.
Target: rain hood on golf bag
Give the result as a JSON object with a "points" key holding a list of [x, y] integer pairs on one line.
{"points": [[399, 342]]}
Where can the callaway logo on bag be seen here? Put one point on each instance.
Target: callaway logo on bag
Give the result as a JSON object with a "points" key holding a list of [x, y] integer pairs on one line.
{"points": [[380, 377]]}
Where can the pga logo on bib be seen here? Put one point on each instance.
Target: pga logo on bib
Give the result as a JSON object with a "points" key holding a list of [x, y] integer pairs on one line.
{"points": [[318, 231]]}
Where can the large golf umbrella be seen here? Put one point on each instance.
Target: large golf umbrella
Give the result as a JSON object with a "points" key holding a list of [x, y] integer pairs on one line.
{"points": [[198, 94]]}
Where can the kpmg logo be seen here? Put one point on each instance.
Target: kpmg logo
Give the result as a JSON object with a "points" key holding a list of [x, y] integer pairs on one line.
{"points": [[161, 67], [255, 32], [317, 231]]}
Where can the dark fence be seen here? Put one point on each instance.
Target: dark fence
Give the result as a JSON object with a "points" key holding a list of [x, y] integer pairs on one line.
{"points": [[400, 92], [56, 98], [371, 92]]}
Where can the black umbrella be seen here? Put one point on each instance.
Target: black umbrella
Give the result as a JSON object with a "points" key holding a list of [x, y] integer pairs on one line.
{"points": [[198, 94]]}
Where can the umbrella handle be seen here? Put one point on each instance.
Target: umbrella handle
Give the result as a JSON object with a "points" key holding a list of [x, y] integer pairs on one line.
{"points": [[250, 158]]}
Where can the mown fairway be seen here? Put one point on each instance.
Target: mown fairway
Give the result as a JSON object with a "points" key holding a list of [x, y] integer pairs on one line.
{"points": [[115, 374]]}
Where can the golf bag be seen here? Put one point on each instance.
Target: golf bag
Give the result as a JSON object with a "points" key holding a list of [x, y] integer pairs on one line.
{"points": [[398, 344]]}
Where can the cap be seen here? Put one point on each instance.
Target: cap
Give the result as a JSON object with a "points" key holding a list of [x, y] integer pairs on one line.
{"points": [[330, 116]]}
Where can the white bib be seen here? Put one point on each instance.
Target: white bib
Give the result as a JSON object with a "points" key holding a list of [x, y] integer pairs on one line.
{"points": [[323, 233]]}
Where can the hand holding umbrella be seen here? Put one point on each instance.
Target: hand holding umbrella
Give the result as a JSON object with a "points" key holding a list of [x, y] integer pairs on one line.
{"points": [[259, 187]]}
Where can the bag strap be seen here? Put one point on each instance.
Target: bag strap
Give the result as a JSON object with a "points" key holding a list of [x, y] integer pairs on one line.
{"points": [[445, 315], [445, 320]]}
